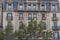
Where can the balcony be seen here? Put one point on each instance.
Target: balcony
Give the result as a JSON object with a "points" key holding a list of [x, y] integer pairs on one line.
{"points": [[54, 18], [56, 27], [55, 9], [21, 18], [9, 1], [43, 18], [9, 18]]}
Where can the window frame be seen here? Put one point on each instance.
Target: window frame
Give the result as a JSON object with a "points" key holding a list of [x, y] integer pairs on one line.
{"points": [[55, 24], [44, 7], [9, 16], [34, 15], [29, 16], [55, 8], [20, 15], [29, 6], [34, 7], [21, 6], [54, 15], [55, 36], [43, 15], [10, 7]]}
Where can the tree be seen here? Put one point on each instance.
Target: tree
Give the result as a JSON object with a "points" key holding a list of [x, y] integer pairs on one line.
{"points": [[9, 32], [20, 35], [2, 35], [33, 30], [40, 28]]}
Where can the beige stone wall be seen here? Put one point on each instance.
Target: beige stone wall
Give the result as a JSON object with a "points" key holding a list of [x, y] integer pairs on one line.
{"points": [[15, 21]]}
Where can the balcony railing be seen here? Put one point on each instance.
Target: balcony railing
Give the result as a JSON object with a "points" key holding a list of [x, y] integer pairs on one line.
{"points": [[56, 27], [20, 18], [43, 18], [55, 18], [9, 18]]}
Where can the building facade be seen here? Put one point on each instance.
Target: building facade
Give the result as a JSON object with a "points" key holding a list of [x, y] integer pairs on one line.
{"points": [[18, 11]]}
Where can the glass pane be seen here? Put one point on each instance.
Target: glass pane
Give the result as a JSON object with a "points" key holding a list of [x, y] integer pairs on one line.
{"points": [[43, 15], [56, 35], [29, 7], [34, 7], [43, 7], [9, 14], [53, 7], [55, 23], [35, 15], [31, 0], [54, 15], [9, 6], [21, 15], [21, 7], [9, 22], [30, 15], [44, 34], [20, 23]]}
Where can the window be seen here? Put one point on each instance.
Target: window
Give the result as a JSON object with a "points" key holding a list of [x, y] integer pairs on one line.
{"points": [[44, 23], [9, 15], [34, 6], [29, 7], [44, 34], [56, 35], [29, 16], [21, 7], [55, 24], [54, 15], [9, 6], [21, 15], [53, 7], [9, 23], [42, 7], [20, 23], [31, 0], [43, 15], [34, 15]]}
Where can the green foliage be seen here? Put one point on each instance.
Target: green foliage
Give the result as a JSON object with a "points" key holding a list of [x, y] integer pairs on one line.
{"points": [[2, 35], [9, 28], [32, 30], [9, 32]]}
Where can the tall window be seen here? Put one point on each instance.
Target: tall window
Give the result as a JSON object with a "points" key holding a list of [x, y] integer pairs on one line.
{"points": [[9, 6], [54, 15], [44, 34], [53, 7], [34, 16], [9, 16], [31, 0], [29, 7], [20, 23], [56, 35], [44, 23], [43, 15], [42, 7], [34, 6], [21, 16], [29, 16], [9, 22], [55, 24], [21, 7]]}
